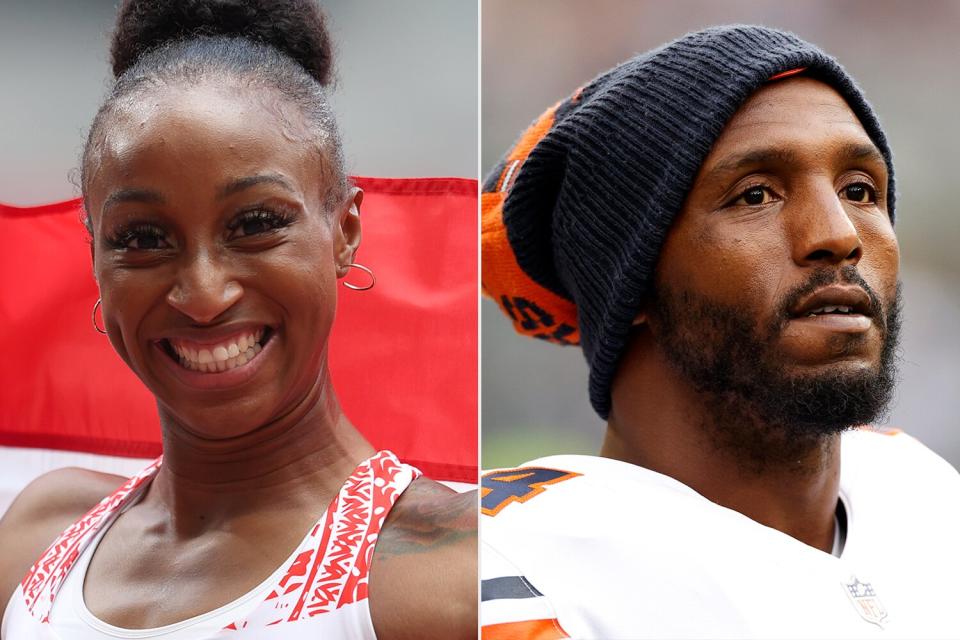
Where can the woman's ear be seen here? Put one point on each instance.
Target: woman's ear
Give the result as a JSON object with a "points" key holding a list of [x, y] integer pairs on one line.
{"points": [[346, 239]]}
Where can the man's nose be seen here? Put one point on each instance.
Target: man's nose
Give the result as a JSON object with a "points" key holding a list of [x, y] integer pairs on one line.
{"points": [[204, 288], [822, 231]]}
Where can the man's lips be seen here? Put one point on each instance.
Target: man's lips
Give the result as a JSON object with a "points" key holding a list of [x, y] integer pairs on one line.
{"points": [[833, 309], [834, 300]]}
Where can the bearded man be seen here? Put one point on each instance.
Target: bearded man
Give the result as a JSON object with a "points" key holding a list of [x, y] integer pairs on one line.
{"points": [[712, 222]]}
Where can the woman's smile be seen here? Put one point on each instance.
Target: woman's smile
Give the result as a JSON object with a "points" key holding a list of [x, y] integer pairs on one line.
{"points": [[219, 356], [218, 361]]}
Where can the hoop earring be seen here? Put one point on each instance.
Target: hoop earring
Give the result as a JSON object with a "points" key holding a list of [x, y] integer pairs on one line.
{"points": [[373, 278], [93, 317]]}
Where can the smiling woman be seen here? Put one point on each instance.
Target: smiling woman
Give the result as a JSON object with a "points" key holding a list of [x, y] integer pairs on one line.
{"points": [[221, 219], [210, 230]]}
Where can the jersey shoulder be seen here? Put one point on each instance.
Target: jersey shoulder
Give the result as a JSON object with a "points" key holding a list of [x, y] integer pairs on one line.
{"points": [[511, 605], [501, 488], [895, 456], [552, 487], [892, 482]]}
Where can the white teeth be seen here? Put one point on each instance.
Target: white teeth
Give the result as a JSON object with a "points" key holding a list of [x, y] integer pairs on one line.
{"points": [[831, 309], [222, 356]]}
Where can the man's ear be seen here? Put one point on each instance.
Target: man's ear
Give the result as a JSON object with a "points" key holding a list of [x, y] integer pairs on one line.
{"points": [[641, 317], [346, 238]]}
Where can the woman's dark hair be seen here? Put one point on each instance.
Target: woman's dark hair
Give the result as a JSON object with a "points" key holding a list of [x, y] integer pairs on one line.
{"points": [[260, 43]]}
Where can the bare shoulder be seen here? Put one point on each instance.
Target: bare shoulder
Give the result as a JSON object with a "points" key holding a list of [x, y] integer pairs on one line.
{"points": [[46, 506], [427, 517], [423, 580]]}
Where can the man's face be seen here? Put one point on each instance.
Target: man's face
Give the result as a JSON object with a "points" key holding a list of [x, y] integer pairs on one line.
{"points": [[776, 290]]}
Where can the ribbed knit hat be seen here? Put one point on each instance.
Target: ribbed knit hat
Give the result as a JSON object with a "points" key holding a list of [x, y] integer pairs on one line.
{"points": [[575, 215]]}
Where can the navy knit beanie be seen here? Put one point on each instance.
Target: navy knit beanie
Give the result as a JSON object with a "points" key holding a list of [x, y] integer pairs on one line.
{"points": [[575, 215]]}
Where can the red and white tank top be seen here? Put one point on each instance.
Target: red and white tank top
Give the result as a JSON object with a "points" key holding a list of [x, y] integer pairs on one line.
{"points": [[319, 591]]}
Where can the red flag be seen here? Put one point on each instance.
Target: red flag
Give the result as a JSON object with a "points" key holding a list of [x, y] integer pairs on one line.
{"points": [[403, 354]]}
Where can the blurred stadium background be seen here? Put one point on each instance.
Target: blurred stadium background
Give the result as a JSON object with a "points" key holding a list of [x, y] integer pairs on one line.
{"points": [[406, 96], [904, 56]]}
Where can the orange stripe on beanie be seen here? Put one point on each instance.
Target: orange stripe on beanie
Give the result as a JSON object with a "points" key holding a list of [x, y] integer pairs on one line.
{"points": [[787, 74], [533, 310]]}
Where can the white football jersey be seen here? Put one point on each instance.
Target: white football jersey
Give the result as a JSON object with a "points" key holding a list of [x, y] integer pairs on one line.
{"points": [[588, 547]]}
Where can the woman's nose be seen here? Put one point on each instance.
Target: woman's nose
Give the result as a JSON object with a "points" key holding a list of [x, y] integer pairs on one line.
{"points": [[204, 289]]}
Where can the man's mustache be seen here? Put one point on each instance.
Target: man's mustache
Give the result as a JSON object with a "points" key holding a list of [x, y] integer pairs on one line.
{"points": [[827, 276]]}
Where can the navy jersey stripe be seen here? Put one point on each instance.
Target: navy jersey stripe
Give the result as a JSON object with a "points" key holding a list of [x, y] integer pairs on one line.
{"points": [[507, 588]]}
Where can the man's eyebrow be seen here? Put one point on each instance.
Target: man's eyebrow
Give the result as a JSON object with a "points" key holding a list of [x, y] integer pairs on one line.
{"points": [[862, 151], [754, 157], [132, 195], [851, 151], [240, 184]]}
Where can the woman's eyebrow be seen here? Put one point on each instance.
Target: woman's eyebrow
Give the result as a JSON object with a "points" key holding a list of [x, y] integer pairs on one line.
{"points": [[239, 184], [132, 195]]}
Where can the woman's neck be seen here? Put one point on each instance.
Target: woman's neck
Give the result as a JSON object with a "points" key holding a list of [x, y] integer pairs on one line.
{"points": [[301, 458]]}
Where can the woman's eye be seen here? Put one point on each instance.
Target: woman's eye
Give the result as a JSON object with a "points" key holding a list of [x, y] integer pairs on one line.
{"points": [[257, 222], [140, 238], [754, 196], [859, 192]]}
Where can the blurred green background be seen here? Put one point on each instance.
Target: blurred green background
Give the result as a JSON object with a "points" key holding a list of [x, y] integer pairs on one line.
{"points": [[904, 56]]}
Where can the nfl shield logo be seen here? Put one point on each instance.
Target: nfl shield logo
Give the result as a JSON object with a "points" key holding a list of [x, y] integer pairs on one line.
{"points": [[865, 601]]}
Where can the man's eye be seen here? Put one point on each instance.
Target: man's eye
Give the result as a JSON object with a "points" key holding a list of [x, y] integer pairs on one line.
{"points": [[859, 192], [754, 196], [258, 222]]}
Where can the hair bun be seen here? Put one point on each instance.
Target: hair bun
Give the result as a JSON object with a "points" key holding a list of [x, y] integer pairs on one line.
{"points": [[295, 27]]}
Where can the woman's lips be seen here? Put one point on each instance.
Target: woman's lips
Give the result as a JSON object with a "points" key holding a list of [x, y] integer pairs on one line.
{"points": [[228, 353], [202, 365]]}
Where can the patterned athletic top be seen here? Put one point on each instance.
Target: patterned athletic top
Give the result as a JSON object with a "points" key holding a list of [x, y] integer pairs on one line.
{"points": [[319, 591]]}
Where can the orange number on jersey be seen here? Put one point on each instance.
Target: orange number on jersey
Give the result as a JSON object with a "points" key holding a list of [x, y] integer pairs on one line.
{"points": [[500, 488]]}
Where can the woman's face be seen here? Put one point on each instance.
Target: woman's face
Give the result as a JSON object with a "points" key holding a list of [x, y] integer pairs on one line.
{"points": [[215, 253]]}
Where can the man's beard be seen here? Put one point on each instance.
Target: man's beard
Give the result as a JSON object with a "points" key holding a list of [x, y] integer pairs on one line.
{"points": [[760, 413]]}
